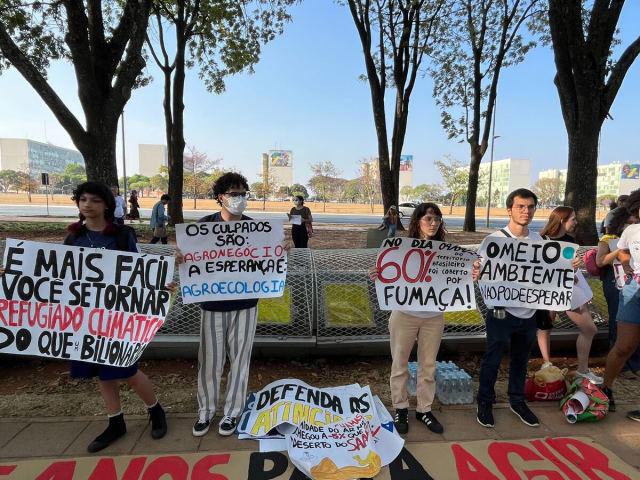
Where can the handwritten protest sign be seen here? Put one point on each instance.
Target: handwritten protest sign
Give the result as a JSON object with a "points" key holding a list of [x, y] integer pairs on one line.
{"points": [[95, 305], [282, 406], [232, 260], [530, 274], [337, 450], [618, 268], [425, 275]]}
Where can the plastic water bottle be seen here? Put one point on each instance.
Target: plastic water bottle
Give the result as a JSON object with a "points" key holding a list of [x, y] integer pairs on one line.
{"points": [[413, 378], [445, 390]]}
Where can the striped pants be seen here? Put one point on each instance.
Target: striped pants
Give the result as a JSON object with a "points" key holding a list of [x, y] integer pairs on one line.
{"points": [[224, 334]]}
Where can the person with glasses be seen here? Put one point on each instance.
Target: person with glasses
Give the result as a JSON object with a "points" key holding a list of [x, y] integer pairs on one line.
{"points": [[513, 326], [227, 327], [407, 326]]}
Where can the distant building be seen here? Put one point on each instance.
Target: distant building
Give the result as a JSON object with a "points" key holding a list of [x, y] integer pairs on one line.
{"points": [[507, 175], [21, 154], [279, 165], [405, 174], [151, 158], [613, 179]]}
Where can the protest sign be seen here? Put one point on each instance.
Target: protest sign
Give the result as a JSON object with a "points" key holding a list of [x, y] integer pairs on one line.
{"points": [[280, 407], [337, 450], [232, 260], [576, 458], [296, 219], [77, 303], [424, 275], [529, 274], [618, 269]]}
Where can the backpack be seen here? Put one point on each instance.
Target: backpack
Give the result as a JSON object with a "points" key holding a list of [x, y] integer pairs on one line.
{"points": [[122, 237], [589, 260], [598, 401]]}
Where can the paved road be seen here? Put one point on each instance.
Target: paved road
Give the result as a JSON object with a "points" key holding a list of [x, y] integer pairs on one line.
{"points": [[360, 219]]}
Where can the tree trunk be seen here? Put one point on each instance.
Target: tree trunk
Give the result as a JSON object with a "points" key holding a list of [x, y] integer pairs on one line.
{"points": [[453, 200], [100, 155], [472, 191], [582, 176]]}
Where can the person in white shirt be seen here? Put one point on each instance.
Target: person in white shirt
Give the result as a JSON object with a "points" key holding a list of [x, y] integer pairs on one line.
{"points": [[628, 318], [513, 326], [121, 206]]}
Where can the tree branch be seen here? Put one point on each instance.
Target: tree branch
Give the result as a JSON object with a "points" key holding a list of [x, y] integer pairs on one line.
{"points": [[618, 73], [69, 122]]}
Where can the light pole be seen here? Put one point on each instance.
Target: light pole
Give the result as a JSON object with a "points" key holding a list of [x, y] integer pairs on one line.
{"points": [[493, 138]]}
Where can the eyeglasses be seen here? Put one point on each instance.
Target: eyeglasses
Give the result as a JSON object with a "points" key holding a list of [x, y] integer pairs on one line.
{"points": [[522, 208], [431, 220], [237, 194]]}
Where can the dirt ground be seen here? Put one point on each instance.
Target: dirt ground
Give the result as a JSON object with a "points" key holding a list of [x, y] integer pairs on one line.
{"points": [[43, 388]]}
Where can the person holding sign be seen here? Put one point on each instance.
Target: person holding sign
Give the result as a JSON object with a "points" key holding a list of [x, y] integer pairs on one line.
{"points": [[407, 326], [614, 278], [227, 327], [300, 213], [512, 326], [562, 222], [628, 317], [97, 229]]}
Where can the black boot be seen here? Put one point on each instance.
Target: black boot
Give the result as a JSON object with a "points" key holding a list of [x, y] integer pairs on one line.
{"points": [[609, 393], [114, 431], [158, 421]]}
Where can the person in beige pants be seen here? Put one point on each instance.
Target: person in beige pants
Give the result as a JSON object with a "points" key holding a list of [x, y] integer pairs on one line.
{"points": [[427, 327]]}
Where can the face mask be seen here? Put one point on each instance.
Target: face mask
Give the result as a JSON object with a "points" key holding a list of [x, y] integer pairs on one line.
{"points": [[235, 205]]}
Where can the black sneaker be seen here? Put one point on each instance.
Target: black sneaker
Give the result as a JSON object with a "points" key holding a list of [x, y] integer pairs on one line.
{"points": [[609, 393], [227, 425], [158, 421], [200, 428], [634, 415], [430, 421], [401, 421], [114, 431], [485, 415], [525, 414]]}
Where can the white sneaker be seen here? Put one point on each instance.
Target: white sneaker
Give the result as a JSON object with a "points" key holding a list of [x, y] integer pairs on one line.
{"points": [[592, 377], [546, 364]]}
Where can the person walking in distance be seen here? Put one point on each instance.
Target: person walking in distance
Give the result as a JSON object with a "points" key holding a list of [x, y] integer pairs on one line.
{"points": [[159, 220], [121, 207], [509, 327], [134, 211], [299, 233]]}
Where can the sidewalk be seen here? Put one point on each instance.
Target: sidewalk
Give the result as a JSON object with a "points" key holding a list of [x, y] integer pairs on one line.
{"points": [[34, 438]]}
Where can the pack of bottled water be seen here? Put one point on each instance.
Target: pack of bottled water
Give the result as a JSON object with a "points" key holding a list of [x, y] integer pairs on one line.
{"points": [[453, 385]]}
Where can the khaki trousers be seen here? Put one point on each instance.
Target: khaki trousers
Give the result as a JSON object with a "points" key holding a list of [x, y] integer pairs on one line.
{"points": [[404, 329]]}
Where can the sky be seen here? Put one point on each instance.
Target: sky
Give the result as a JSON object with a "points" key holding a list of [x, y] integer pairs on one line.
{"points": [[305, 96]]}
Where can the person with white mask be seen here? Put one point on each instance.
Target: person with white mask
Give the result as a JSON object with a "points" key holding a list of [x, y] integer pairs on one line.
{"points": [[227, 327]]}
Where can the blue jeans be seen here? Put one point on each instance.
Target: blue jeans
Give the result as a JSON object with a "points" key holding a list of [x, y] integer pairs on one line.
{"points": [[612, 295], [520, 335], [392, 230]]}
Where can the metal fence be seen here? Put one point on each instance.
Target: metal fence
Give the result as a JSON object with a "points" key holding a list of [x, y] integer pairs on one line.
{"points": [[329, 299]]}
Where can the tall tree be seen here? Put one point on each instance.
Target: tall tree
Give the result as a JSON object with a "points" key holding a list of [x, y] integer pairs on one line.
{"points": [[483, 37], [103, 41], [322, 181], [549, 190], [587, 81], [455, 177], [395, 35], [221, 37], [198, 166]]}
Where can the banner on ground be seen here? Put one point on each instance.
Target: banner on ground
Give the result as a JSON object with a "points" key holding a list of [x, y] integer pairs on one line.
{"points": [[232, 260], [576, 458], [78, 303], [529, 274], [281, 407], [424, 275]]}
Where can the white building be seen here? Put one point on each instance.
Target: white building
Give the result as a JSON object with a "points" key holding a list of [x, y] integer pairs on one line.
{"points": [[21, 154], [613, 179], [507, 175], [151, 158]]}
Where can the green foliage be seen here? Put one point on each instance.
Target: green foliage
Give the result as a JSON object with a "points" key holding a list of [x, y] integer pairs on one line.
{"points": [[427, 192], [297, 189], [455, 176]]}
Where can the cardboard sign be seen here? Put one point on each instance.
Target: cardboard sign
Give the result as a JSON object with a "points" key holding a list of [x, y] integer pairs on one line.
{"points": [[77, 303], [424, 275], [529, 274], [575, 458], [232, 260]]}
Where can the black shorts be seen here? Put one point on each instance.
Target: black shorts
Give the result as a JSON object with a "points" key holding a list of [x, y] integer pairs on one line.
{"points": [[543, 320]]}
